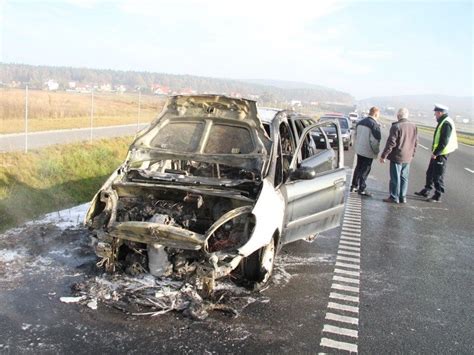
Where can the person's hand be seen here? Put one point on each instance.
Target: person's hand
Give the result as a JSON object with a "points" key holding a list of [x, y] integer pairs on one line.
{"points": [[433, 156], [382, 160]]}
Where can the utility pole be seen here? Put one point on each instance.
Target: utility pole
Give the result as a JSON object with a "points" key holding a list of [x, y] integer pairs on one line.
{"points": [[26, 119], [92, 113], [139, 104]]}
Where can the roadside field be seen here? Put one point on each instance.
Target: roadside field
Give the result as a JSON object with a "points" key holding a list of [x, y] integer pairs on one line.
{"points": [[62, 110]]}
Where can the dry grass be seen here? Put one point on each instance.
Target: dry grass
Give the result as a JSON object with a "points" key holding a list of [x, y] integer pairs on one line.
{"points": [[59, 110]]}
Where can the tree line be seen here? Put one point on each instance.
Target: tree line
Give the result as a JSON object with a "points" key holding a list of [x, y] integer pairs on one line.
{"points": [[36, 76]]}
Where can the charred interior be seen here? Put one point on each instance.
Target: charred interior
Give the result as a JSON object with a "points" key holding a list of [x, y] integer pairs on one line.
{"points": [[158, 206]]}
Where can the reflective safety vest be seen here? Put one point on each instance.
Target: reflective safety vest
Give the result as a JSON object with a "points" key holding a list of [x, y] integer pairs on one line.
{"points": [[452, 140]]}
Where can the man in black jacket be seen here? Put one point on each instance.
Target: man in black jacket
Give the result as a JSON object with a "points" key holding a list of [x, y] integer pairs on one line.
{"points": [[444, 142]]}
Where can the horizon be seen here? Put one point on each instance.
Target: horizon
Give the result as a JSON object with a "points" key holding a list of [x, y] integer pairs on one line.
{"points": [[363, 48], [249, 80]]}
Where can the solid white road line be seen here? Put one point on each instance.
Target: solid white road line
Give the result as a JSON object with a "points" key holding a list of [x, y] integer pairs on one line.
{"points": [[340, 331], [347, 272], [349, 266], [344, 319], [471, 171], [345, 288], [343, 307], [422, 146], [340, 296], [340, 345]]}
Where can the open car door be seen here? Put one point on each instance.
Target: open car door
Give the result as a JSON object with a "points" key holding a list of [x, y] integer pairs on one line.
{"points": [[315, 188]]}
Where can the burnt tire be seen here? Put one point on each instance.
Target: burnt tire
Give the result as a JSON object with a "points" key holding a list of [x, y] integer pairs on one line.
{"points": [[257, 268]]}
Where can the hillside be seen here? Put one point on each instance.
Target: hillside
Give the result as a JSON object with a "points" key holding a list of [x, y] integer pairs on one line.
{"points": [[459, 105], [37, 76]]}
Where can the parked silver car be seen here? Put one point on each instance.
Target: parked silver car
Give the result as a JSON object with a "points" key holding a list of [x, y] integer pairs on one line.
{"points": [[210, 189]]}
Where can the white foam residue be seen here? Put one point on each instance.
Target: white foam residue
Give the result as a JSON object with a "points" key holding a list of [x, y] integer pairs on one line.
{"points": [[25, 326], [8, 256], [63, 219], [72, 299]]}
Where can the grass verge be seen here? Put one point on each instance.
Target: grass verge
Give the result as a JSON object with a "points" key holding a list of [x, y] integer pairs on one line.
{"points": [[54, 178], [462, 138]]}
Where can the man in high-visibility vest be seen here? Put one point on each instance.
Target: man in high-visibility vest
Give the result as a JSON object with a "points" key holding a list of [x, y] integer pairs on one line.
{"points": [[445, 141]]}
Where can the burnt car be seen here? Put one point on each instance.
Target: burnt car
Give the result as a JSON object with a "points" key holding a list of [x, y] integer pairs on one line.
{"points": [[331, 135], [206, 190]]}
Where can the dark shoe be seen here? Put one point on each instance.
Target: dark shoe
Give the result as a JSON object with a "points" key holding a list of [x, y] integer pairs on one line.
{"points": [[403, 200], [365, 193], [422, 193], [389, 200], [354, 188], [435, 198]]}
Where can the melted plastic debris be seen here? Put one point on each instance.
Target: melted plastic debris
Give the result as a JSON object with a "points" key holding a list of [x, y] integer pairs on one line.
{"points": [[146, 295]]}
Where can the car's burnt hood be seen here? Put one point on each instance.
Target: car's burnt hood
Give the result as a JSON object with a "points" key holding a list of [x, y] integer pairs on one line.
{"points": [[214, 108]]}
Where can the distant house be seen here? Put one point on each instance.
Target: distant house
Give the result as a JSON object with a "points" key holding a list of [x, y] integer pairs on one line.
{"points": [[158, 89], [296, 103], [120, 89], [105, 87], [51, 85], [72, 85]]}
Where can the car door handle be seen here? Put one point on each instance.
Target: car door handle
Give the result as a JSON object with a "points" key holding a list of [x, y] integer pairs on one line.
{"points": [[339, 182]]}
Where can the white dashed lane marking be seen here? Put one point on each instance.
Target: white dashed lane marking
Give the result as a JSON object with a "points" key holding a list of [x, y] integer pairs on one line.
{"points": [[471, 171], [340, 330], [422, 146]]}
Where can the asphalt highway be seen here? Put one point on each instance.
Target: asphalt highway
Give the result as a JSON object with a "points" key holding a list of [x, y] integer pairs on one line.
{"points": [[392, 279], [16, 141], [417, 270]]}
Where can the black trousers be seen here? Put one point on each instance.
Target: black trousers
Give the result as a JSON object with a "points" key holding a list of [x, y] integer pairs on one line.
{"points": [[435, 174], [361, 172]]}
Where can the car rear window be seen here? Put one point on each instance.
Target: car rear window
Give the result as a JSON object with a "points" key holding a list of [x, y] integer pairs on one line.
{"points": [[343, 123], [179, 136], [224, 139]]}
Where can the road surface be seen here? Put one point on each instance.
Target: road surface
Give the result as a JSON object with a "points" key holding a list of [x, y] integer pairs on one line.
{"points": [[17, 141], [391, 279]]}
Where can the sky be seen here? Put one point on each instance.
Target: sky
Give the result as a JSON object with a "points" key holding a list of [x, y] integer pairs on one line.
{"points": [[365, 48]]}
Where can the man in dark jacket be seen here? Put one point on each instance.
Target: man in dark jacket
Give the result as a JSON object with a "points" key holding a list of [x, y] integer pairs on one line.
{"points": [[445, 141], [400, 150], [367, 145]]}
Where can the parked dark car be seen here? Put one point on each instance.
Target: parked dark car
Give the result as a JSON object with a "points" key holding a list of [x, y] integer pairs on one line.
{"points": [[213, 187], [346, 132]]}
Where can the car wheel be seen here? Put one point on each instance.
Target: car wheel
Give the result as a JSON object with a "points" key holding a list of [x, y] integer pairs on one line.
{"points": [[258, 266]]}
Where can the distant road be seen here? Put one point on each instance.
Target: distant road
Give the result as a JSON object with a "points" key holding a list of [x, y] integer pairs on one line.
{"points": [[16, 141]]}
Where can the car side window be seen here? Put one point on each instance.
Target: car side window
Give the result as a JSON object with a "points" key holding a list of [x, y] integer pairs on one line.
{"points": [[318, 156], [287, 149]]}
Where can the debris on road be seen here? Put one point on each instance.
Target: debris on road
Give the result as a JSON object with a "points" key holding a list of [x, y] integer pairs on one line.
{"points": [[146, 295]]}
